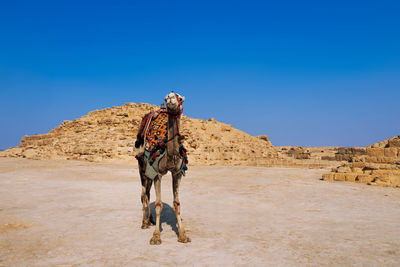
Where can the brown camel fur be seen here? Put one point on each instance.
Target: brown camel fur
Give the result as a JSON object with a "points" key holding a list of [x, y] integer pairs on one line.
{"points": [[172, 161]]}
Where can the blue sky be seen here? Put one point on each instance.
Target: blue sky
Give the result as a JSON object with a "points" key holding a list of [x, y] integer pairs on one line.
{"points": [[307, 73]]}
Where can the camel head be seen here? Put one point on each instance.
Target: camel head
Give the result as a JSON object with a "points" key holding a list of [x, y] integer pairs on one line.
{"points": [[174, 103]]}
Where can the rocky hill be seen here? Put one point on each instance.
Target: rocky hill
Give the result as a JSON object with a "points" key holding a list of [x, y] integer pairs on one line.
{"points": [[379, 165], [109, 134]]}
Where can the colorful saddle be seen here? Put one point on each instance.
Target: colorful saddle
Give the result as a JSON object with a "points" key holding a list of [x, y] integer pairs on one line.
{"points": [[153, 134], [157, 132], [153, 130]]}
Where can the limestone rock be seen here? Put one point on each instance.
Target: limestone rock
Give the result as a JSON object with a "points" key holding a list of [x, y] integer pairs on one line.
{"points": [[347, 153], [109, 134], [312, 153], [380, 165]]}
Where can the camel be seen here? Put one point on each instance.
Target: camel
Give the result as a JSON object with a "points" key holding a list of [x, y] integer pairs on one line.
{"points": [[171, 158]]}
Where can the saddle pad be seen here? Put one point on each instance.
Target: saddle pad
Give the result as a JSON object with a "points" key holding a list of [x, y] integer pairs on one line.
{"points": [[143, 124], [157, 131]]}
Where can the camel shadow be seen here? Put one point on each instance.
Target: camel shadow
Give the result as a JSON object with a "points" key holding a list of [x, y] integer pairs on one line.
{"points": [[167, 216]]}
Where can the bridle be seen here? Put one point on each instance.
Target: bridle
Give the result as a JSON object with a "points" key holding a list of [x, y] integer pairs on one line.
{"points": [[180, 108]]}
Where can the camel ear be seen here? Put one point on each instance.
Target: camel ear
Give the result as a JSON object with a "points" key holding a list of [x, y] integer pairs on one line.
{"points": [[181, 98]]}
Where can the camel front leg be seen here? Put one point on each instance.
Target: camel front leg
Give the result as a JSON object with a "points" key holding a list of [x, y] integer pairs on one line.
{"points": [[156, 239], [176, 180]]}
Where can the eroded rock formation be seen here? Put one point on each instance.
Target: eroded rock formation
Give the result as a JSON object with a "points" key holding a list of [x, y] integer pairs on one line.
{"points": [[109, 134], [347, 153], [312, 153], [380, 165]]}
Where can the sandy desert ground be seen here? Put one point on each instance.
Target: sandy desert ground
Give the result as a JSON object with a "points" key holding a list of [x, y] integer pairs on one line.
{"points": [[68, 213]]}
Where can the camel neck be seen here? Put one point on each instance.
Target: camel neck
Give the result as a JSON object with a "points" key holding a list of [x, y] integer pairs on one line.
{"points": [[173, 131]]}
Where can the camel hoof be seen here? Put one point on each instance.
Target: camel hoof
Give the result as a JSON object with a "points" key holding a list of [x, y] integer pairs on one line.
{"points": [[184, 238], [146, 224], [155, 240]]}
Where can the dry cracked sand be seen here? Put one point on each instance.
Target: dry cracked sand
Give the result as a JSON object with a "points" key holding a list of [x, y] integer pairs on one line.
{"points": [[68, 213]]}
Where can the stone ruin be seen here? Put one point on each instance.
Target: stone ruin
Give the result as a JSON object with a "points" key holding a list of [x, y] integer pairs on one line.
{"points": [[347, 153], [109, 134], [378, 165], [310, 153], [299, 153]]}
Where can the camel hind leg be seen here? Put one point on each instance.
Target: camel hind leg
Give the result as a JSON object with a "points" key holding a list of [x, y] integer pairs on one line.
{"points": [[148, 188], [156, 239], [145, 198]]}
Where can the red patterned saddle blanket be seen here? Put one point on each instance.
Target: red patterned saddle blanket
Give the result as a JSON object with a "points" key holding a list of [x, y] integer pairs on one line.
{"points": [[153, 133], [157, 133], [154, 128]]}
